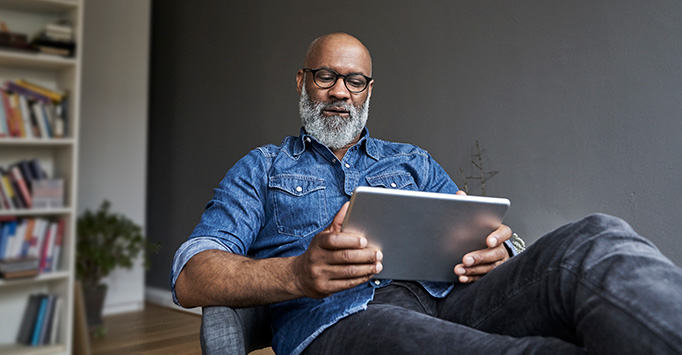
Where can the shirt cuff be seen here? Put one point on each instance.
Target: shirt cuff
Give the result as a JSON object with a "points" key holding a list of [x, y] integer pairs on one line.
{"points": [[189, 249]]}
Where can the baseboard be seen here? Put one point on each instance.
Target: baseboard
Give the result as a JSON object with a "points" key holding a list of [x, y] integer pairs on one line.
{"points": [[125, 307], [163, 297]]}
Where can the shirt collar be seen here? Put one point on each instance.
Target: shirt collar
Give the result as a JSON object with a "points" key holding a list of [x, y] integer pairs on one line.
{"points": [[305, 139]]}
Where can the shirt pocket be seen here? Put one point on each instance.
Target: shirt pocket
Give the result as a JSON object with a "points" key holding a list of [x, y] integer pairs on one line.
{"points": [[400, 180], [300, 203]]}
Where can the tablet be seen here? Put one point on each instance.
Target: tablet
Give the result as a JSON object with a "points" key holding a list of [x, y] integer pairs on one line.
{"points": [[422, 235]]}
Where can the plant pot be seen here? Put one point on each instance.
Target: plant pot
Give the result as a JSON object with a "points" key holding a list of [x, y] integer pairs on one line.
{"points": [[94, 302]]}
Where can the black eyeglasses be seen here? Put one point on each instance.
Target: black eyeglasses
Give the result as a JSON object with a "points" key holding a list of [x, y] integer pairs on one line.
{"points": [[326, 78]]}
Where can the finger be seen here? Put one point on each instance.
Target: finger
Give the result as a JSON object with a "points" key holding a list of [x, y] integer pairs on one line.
{"points": [[460, 192], [478, 270], [335, 241], [498, 236], [354, 271], [355, 256], [485, 256], [337, 222]]}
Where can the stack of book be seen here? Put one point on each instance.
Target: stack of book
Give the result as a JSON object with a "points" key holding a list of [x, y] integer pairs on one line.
{"points": [[25, 184], [29, 246], [28, 110], [41, 319], [57, 39]]}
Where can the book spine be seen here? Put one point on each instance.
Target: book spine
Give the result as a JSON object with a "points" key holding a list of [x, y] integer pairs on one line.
{"points": [[29, 319], [8, 189], [54, 95], [4, 128], [17, 118], [15, 174], [26, 116], [35, 338], [23, 91]]}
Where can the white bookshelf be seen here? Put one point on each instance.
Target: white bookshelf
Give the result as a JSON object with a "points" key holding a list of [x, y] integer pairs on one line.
{"points": [[57, 156]]}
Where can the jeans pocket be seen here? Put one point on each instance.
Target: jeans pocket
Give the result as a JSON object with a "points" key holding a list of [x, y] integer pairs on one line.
{"points": [[300, 203]]}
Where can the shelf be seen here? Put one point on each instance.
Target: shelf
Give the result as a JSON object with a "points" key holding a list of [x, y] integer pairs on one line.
{"points": [[37, 212], [17, 349], [21, 59], [45, 6], [33, 142], [42, 278]]}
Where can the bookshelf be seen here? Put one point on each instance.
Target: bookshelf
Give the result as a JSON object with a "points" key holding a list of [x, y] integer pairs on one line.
{"points": [[57, 156]]}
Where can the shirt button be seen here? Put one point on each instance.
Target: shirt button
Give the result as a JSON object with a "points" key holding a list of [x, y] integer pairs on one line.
{"points": [[307, 139], [347, 165], [299, 189], [377, 282], [393, 184]]}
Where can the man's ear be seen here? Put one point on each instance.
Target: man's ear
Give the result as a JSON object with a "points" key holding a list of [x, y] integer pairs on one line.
{"points": [[300, 81], [369, 89]]}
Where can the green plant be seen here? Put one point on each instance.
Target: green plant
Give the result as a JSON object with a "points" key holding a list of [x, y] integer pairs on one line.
{"points": [[106, 241]]}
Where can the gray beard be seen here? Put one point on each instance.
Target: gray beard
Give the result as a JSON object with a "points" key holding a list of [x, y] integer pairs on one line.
{"points": [[333, 131]]}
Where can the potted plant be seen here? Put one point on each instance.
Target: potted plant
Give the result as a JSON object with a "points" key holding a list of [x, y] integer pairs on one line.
{"points": [[105, 241]]}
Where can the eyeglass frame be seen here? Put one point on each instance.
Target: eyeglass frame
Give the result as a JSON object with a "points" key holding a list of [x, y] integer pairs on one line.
{"points": [[344, 76]]}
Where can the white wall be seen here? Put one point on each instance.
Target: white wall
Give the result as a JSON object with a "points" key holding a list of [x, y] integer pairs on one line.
{"points": [[113, 133]]}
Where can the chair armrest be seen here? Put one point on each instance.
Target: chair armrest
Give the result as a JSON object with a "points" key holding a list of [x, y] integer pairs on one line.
{"points": [[226, 330]]}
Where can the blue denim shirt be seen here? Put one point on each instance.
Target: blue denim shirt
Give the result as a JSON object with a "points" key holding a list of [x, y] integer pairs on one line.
{"points": [[277, 198]]}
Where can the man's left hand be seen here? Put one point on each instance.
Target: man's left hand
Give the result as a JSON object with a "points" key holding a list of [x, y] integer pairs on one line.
{"points": [[480, 262]]}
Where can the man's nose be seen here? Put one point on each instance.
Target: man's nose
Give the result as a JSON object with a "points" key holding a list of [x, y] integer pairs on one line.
{"points": [[339, 91]]}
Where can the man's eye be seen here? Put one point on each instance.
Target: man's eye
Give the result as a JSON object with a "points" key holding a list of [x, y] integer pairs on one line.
{"points": [[326, 78]]}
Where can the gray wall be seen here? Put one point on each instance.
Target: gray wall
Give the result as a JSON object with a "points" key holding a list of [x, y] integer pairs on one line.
{"points": [[576, 103]]}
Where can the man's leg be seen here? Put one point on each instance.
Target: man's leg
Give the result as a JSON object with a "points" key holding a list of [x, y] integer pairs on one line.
{"points": [[594, 283], [401, 320]]}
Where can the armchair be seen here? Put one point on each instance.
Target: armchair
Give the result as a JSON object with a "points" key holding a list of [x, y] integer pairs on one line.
{"points": [[226, 330]]}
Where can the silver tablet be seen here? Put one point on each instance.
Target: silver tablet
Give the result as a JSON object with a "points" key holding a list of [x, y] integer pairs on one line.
{"points": [[422, 235]]}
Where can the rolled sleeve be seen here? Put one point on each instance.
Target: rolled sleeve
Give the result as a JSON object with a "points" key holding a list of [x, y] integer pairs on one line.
{"points": [[189, 249]]}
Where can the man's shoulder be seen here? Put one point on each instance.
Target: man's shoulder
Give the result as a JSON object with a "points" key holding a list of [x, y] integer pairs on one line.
{"points": [[384, 148], [272, 150]]}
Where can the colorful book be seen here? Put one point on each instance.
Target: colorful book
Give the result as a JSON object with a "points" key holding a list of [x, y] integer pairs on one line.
{"points": [[35, 336], [52, 94]]}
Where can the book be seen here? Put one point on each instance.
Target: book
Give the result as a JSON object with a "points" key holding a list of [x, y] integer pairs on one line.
{"points": [[43, 338], [8, 189], [54, 95], [59, 239], [48, 193], [25, 115], [26, 92], [12, 127], [49, 252], [29, 319], [4, 128], [54, 327], [17, 117], [43, 123], [16, 176], [35, 336], [18, 268]]}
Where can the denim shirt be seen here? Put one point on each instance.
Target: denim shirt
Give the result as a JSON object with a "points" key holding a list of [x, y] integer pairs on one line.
{"points": [[277, 198]]}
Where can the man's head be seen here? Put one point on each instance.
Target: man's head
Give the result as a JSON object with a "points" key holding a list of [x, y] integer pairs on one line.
{"points": [[335, 112]]}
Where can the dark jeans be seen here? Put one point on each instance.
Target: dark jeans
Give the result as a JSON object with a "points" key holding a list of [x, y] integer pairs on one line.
{"points": [[593, 286]]}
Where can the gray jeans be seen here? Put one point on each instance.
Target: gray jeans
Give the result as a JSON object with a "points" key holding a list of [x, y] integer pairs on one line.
{"points": [[593, 286]]}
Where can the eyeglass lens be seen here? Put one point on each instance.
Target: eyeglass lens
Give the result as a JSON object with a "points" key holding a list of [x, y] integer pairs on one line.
{"points": [[326, 79]]}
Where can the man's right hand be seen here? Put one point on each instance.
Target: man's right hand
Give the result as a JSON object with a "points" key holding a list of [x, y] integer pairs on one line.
{"points": [[335, 261]]}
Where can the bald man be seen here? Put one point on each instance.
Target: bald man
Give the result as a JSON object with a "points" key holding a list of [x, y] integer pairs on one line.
{"points": [[271, 235]]}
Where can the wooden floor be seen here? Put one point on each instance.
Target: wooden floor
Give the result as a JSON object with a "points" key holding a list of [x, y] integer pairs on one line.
{"points": [[156, 330]]}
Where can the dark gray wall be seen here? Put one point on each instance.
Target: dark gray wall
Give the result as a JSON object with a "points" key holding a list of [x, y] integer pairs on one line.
{"points": [[576, 103]]}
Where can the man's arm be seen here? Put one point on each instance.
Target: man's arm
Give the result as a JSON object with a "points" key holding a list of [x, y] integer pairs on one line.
{"points": [[333, 262]]}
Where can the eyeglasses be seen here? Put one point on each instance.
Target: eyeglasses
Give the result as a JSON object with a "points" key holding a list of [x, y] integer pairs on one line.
{"points": [[326, 78]]}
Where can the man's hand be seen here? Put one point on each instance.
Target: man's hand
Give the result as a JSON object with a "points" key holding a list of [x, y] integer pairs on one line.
{"points": [[335, 261], [480, 262]]}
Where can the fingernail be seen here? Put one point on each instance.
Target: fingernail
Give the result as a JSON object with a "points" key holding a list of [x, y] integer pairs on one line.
{"points": [[463, 279], [495, 240], [379, 267], [468, 261], [380, 255], [363, 242], [460, 270]]}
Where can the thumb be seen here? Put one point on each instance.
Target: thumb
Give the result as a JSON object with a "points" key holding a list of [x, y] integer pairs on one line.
{"points": [[335, 226]]}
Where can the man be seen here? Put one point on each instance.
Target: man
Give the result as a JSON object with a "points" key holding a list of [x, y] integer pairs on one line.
{"points": [[592, 286]]}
